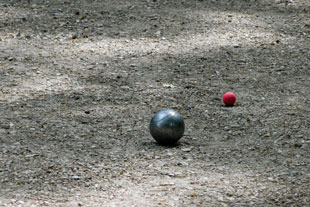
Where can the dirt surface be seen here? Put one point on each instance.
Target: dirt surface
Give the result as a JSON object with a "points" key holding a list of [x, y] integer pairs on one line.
{"points": [[81, 80]]}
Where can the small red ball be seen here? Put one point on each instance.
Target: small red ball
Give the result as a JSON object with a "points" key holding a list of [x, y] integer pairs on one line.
{"points": [[229, 99]]}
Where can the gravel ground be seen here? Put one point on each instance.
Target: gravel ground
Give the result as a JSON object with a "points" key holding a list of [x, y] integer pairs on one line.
{"points": [[80, 81]]}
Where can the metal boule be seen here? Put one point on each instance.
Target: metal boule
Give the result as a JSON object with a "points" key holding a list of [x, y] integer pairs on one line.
{"points": [[167, 127]]}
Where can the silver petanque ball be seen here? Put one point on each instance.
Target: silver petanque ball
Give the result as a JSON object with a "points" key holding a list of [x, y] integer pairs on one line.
{"points": [[167, 127]]}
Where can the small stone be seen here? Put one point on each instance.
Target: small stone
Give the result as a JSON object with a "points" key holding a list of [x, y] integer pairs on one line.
{"points": [[187, 149], [298, 145], [5, 126]]}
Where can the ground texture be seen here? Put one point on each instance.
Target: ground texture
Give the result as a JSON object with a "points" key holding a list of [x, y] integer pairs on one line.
{"points": [[80, 81]]}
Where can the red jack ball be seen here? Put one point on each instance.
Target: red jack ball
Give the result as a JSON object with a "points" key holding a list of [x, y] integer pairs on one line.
{"points": [[229, 99]]}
